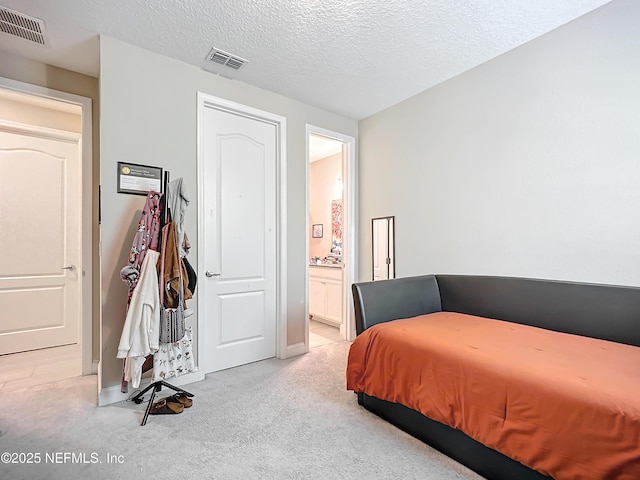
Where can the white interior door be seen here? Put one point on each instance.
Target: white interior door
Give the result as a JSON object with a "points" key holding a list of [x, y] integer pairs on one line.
{"points": [[239, 177], [40, 244]]}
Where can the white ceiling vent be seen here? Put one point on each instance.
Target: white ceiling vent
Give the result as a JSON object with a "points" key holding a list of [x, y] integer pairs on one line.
{"points": [[23, 26], [224, 58]]}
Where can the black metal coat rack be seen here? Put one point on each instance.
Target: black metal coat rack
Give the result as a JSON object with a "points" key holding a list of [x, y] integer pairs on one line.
{"points": [[156, 387]]}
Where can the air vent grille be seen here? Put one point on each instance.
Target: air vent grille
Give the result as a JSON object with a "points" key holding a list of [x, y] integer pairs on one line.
{"points": [[23, 26], [227, 59]]}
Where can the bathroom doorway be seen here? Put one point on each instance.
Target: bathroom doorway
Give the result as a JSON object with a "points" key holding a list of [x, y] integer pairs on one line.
{"points": [[330, 242]]}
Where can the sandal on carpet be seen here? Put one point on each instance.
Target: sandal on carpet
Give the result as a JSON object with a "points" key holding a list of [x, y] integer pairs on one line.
{"points": [[163, 407], [180, 399]]}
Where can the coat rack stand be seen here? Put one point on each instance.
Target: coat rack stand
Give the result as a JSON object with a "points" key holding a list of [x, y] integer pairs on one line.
{"points": [[157, 386]]}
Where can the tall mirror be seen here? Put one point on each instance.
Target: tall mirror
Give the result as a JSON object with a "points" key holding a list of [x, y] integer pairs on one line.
{"points": [[383, 258]]}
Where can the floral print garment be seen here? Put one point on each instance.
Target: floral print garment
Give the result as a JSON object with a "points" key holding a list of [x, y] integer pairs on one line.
{"points": [[174, 359], [146, 238]]}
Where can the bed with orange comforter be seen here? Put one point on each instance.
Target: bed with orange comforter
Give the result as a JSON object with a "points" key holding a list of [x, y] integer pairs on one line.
{"points": [[564, 405]]}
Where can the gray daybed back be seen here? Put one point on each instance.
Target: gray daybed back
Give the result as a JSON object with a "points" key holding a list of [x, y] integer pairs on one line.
{"points": [[385, 300], [599, 311], [608, 312]]}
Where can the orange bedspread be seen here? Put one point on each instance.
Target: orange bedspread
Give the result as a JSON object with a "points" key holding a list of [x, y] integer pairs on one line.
{"points": [[564, 405]]}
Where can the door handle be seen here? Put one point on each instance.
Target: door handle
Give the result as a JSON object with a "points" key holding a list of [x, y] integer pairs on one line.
{"points": [[69, 267], [211, 274]]}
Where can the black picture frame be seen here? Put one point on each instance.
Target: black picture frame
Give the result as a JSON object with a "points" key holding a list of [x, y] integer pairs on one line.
{"points": [[137, 179], [316, 230]]}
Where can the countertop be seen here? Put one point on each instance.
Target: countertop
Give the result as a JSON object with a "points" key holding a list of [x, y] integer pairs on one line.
{"points": [[326, 265]]}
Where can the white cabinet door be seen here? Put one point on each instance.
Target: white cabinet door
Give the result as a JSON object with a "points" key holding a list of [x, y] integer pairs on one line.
{"points": [[317, 297], [334, 301], [325, 294]]}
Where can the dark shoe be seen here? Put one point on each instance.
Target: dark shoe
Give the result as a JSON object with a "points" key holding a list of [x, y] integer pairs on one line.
{"points": [[180, 399], [163, 407]]}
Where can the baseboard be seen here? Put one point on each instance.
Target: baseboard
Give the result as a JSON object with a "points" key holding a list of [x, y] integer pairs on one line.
{"points": [[113, 394], [296, 349], [327, 321]]}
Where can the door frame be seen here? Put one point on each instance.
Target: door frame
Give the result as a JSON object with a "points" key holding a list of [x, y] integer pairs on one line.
{"points": [[210, 101], [349, 211], [86, 164]]}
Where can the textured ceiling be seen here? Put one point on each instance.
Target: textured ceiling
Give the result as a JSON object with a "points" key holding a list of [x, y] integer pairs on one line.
{"points": [[352, 57]]}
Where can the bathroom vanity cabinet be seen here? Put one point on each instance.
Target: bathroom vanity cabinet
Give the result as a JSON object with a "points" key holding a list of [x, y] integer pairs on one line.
{"points": [[325, 293]]}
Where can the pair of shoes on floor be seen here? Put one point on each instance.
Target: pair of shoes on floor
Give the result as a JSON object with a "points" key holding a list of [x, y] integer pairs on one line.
{"points": [[180, 398], [171, 405]]}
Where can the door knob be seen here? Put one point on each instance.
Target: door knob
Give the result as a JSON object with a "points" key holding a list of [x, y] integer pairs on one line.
{"points": [[69, 267], [211, 274]]}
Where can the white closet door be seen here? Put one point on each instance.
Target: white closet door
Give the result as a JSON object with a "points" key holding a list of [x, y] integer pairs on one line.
{"points": [[40, 244], [240, 239]]}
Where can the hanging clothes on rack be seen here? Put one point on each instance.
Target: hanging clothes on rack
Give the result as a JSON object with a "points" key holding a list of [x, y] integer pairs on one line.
{"points": [[178, 201], [147, 237], [192, 277], [140, 335], [173, 270], [173, 280], [175, 358]]}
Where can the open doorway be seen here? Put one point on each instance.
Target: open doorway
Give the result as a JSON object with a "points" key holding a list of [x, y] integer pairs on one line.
{"points": [[47, 331], [330, 242]]}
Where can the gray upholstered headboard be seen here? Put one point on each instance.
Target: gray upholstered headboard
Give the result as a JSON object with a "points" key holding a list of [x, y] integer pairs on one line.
{"points": [[609, 312], [601, 311], [382, 301]]}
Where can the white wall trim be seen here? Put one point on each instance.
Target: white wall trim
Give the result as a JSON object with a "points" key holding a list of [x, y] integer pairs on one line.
{"points": [[282, 198], [209, 101], [87, 202], [113, 394], [39, 131], [297, 348], [349, 257]]}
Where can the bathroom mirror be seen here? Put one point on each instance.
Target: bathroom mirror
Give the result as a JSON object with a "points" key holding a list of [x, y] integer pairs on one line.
{"points": [[383, 248]]}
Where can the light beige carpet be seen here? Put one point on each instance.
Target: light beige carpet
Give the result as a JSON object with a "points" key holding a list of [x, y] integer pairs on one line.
{"points": [[274, 419]]}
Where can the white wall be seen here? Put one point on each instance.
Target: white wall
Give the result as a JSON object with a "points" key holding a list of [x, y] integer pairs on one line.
{"points": [[528, 165], [149, 117]]}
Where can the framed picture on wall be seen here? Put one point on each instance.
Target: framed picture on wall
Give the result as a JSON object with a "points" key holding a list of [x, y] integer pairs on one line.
{"points": [[316, 231], [138, 179]]}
